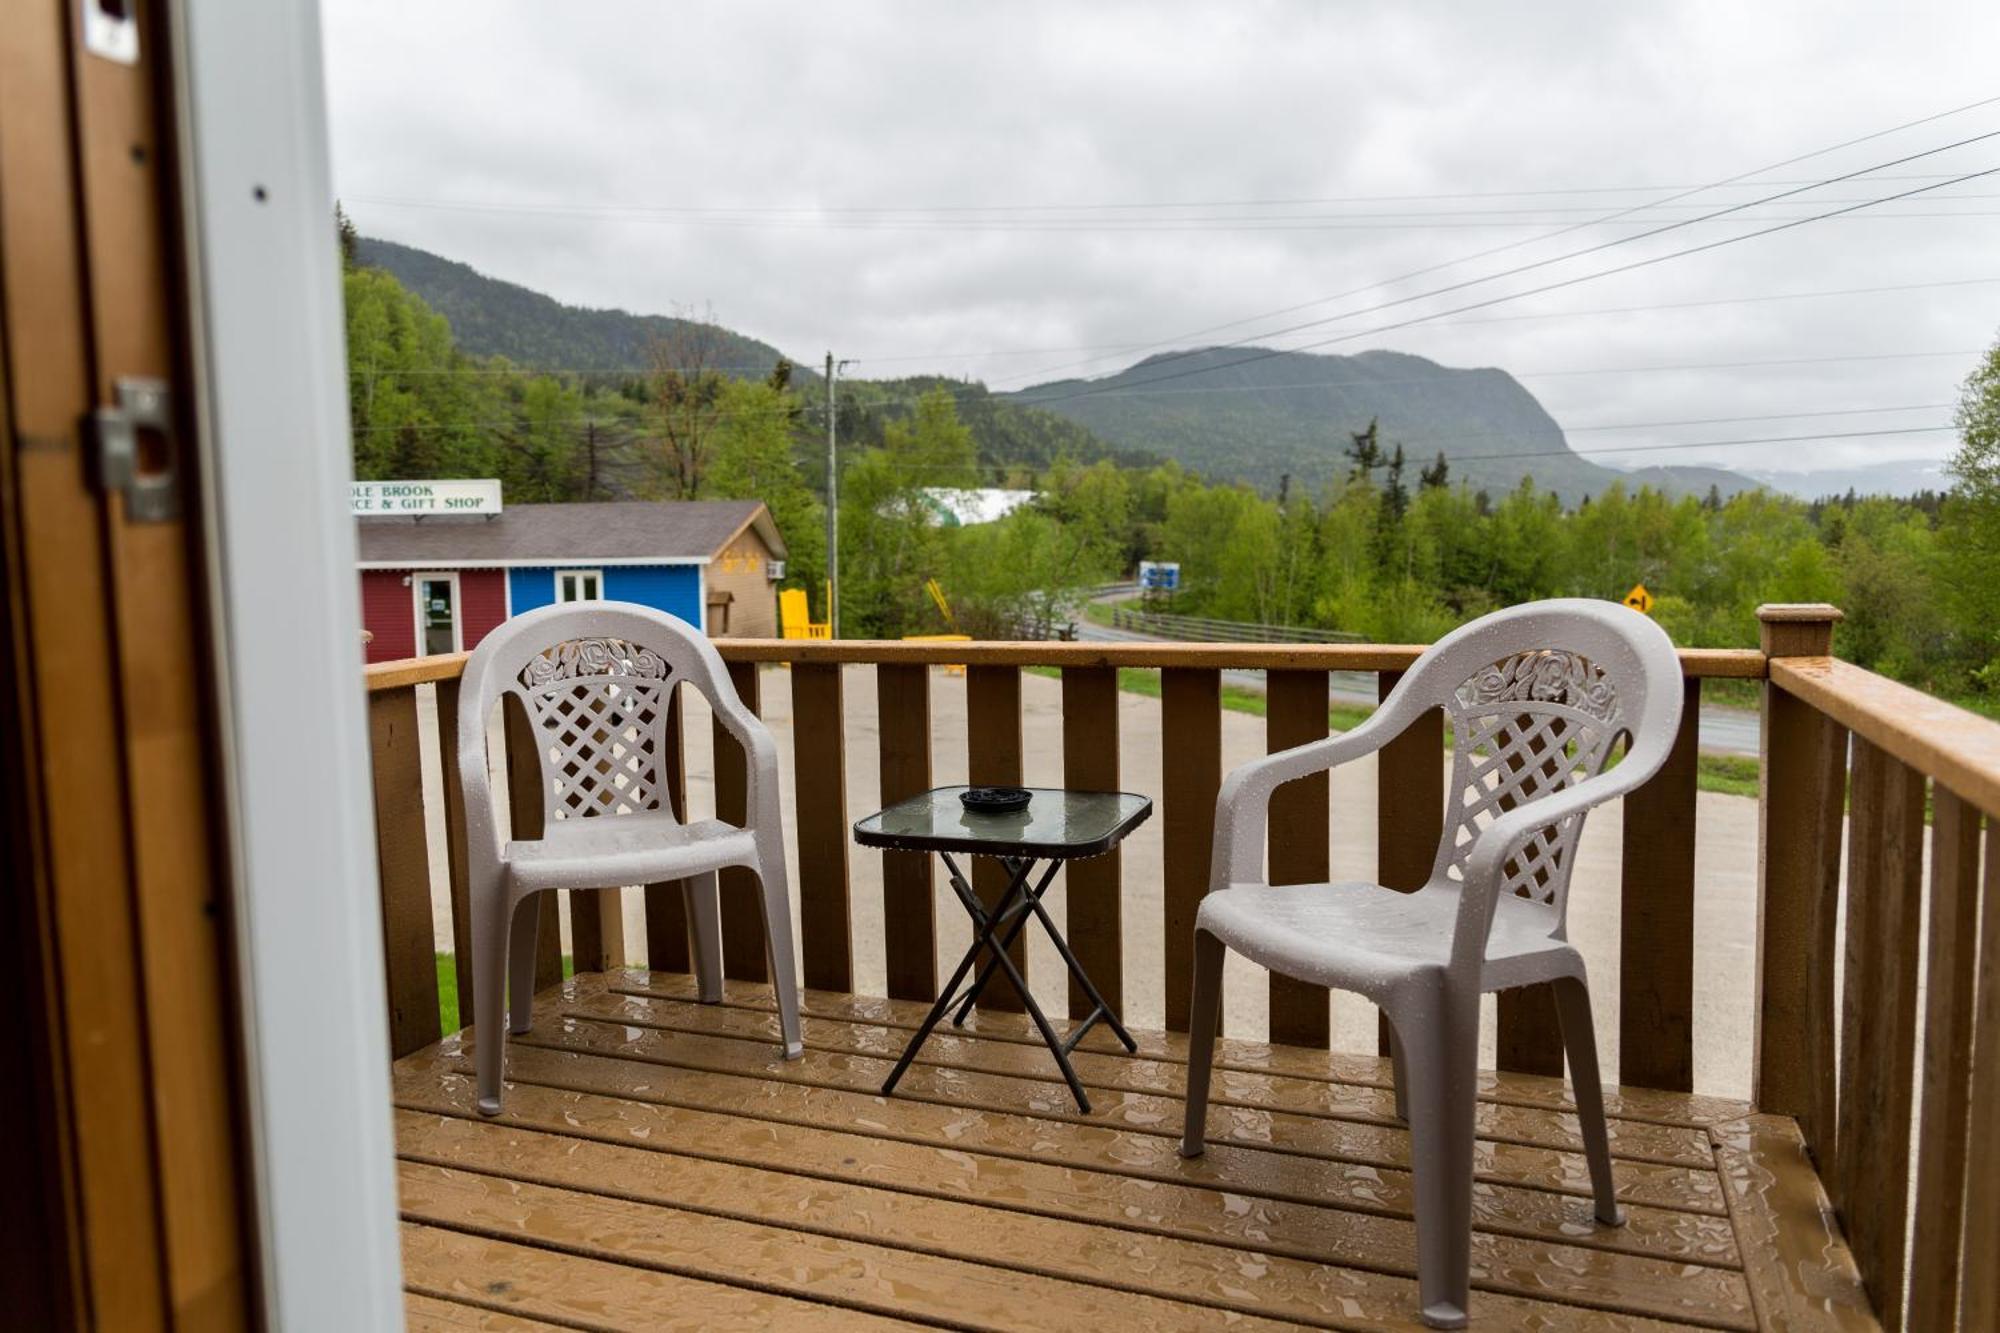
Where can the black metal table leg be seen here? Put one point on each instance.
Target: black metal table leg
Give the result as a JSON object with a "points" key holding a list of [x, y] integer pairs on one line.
{"points": [[1020, 900], [946, 996], [1020, 870]]}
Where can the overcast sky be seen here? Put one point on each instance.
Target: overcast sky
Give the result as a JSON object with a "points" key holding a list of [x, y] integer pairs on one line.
{"points": [[981, 190]]}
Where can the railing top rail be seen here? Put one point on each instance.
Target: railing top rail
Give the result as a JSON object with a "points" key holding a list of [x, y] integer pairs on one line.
{"points": [[407, 671], [1733, 663], [1940, 740]]}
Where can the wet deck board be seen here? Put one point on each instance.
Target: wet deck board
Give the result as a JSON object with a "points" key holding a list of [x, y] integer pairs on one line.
{"points": [[650, 1143]]}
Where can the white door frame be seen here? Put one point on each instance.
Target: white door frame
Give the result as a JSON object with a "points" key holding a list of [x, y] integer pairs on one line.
{"points": [[265, 287], [417, 582]]}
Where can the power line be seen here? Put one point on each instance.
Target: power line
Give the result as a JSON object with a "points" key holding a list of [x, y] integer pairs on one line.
{"points": [[1664, 367], [1706, 444], [1536, 240], [890, 210], [1450, 220], [1566, 282], [1500, 319]]}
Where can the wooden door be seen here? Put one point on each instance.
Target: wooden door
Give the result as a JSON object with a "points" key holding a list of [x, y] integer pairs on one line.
{"points": [[118, 947]]}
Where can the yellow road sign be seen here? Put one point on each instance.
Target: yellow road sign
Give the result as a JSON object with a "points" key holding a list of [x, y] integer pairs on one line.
{"points": [[1639, 599]]}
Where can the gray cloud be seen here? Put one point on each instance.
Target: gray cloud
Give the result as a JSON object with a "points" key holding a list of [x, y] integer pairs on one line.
{"points": [[566, 124]]}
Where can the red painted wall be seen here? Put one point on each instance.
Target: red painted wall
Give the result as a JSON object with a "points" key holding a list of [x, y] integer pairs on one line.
{"points": [[389, 613], [388, 609], [482, 595]]}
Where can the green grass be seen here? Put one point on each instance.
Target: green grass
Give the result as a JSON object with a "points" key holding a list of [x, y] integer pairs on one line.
{"points": [[1728, 775], [448, 1021], [1099, 613]]}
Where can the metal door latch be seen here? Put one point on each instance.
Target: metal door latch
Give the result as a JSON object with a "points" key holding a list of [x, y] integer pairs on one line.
{"points": [[137, 452]]}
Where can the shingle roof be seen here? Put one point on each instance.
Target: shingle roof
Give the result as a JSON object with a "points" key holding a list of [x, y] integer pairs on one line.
{"points": [[569, 533]]}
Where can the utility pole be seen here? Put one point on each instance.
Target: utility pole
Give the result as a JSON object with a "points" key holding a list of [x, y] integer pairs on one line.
{"points": [[832, 507]]}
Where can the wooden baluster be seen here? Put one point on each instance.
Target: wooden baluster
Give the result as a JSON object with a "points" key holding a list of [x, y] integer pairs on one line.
{"points": [[1094, 887], [1980, 1301], [993, 759], [819, 751], [1296, 714], [1800, 804], [1409, 807], [454, 839], [1656, 928], [667, 947], [1529, 1040], [1191, 749], [1949, 983], [742, 920], [1870, 1184], [403, 865], [596, 930], [909, 922], [526, 801]]}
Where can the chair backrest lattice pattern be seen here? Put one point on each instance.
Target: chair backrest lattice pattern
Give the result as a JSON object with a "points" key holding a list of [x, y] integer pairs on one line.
{"points": [[1525, 727], [599, 708]]}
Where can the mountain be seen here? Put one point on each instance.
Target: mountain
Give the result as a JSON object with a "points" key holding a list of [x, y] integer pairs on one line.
{"points": [[1906, 476], [490, 317], [1222, 414], [1227, 414], [1691, 479]]}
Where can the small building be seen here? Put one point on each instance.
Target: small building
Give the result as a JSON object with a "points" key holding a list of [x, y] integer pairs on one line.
{"points": [[440, 583]]}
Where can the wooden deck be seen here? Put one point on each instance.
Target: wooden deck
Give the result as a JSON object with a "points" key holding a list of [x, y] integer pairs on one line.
{"points": [[658, 1166]]}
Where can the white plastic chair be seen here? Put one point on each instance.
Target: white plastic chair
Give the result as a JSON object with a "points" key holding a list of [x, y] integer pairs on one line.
{"points": [[1535, 696], [596, 682]]}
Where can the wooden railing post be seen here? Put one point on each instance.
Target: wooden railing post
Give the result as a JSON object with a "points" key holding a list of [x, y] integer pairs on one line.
{"points": [[819, 751], [993, 759], [455, 853], [1801, 796], [909, 917], [1409, 808], [525, 802], [1656, 920], [742, 919], [667, 947], [1191, 777], [1094, 887], [1296, 714], [403, 864]]}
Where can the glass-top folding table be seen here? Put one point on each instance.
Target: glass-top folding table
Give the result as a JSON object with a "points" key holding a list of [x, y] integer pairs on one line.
{"points": [[1055, 826]]}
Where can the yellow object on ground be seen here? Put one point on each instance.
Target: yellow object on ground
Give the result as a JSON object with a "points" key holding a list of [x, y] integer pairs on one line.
{"points": [[955, 668], [795, 615]]}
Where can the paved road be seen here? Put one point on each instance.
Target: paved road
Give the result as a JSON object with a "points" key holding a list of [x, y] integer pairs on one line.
{"points": [[1732, 731]]}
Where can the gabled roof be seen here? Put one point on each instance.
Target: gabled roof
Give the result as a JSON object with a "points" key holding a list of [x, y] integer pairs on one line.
{"points": [[626, 531]]}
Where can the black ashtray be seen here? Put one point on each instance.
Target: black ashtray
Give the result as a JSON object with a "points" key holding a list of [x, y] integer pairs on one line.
{"points": [[995, 800]]}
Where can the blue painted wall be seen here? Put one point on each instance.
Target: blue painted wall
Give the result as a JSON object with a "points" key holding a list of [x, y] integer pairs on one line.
{"points": [[675, 589]]}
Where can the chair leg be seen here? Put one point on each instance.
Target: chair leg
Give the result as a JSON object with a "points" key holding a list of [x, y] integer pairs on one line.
{"points": [[1580, 1045], [775, 901], [489, 995], [1204, 1017], [521, 963], [1441, 1051], [1400, 1068], [704, 914]]}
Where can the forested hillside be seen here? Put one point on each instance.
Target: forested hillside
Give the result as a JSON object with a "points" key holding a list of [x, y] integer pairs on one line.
{"points": [[1255, 416], [489, 317]]}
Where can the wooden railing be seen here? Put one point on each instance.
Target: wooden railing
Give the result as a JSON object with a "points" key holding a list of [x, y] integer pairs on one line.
{"points": [[1865, 1071], [1655, 978], [1879, 1063]]}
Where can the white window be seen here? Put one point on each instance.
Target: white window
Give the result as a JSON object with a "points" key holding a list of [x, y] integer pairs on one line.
{"points": [[579, 585]]}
